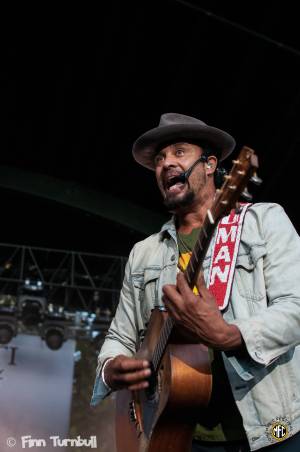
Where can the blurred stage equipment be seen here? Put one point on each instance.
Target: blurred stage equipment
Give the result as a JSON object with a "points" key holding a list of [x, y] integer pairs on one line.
{"points": [[7, 330], [53, 330], [57, 294], [54, 337], [8, 319], [31, 301]]}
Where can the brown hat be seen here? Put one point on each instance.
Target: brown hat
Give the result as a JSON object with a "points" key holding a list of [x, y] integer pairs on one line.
{"points": [[175, 125]]}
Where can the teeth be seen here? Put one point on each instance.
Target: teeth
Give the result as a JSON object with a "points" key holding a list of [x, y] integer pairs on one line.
{"points": [[172, 181], [172, 186]]}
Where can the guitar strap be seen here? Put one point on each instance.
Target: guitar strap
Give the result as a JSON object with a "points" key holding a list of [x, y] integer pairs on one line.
{"points": [[224, 255]]}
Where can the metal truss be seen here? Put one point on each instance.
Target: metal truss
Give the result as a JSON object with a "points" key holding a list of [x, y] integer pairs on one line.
{"points": [[73, 280]]}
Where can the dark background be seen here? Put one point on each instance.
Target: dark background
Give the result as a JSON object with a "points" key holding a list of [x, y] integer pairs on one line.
{"points": [[80, 84]]}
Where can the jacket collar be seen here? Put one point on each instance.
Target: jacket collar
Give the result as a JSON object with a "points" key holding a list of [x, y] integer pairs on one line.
{"points": [[170, 228]]}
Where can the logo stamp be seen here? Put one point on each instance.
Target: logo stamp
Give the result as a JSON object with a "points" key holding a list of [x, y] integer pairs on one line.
{"points": [[278, 429]]}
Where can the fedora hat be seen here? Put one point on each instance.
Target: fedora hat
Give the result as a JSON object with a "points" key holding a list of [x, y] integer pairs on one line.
{"points": [[174, 126]]}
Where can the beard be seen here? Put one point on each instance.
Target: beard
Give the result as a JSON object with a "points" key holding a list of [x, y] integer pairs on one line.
{"points": [[185, 201]]}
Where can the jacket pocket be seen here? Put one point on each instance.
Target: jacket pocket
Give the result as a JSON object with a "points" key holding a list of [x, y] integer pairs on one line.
{"points": [[145, 283], [249, 274]]}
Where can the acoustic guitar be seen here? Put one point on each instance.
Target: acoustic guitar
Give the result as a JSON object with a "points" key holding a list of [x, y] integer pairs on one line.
{"points": [[163, 417]]}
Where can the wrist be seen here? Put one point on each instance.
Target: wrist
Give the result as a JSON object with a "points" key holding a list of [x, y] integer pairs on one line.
{"points": [[103, 376], [232, 338]]}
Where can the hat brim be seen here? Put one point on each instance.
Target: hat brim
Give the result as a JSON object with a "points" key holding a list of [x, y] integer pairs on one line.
{"points": [[147, 145]]}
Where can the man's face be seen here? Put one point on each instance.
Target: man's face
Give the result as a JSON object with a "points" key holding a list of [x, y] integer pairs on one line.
{"points": [[169, 163]]}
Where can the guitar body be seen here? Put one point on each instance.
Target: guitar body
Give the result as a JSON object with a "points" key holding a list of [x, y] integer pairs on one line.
{"points": [[163, 417]]}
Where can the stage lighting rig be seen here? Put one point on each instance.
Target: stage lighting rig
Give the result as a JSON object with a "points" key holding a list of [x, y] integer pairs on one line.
{"points": [[30, 312]]}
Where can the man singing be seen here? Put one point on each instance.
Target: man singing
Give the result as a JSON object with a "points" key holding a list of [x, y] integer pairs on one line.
{"points": [[253, 339]]}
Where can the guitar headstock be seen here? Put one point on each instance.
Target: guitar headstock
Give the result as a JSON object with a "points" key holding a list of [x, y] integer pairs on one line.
{"points": [[235, 184]]}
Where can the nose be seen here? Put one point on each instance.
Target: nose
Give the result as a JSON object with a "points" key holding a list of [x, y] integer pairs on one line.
{"points": [[170, 160]]}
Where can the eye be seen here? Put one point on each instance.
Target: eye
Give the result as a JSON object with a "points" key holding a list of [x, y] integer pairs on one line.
{"points": [[158, 159], [179, 152]]}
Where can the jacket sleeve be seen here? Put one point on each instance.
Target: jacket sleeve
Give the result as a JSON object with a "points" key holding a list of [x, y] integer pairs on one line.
{"points": [[276, 328], [121, 338]]}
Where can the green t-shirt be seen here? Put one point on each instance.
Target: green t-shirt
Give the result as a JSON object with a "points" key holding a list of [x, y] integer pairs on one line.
{"points": [[221, 420]]}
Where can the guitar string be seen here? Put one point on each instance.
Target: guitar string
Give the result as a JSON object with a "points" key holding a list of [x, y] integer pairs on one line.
{"points": [[162, 342], [168, 326]]}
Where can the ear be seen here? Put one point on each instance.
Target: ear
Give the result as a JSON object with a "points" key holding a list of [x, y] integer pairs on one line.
{"points": [[211, 164]]}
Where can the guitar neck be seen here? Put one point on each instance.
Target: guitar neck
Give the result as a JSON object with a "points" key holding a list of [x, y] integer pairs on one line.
{"points": [[191, 274]]}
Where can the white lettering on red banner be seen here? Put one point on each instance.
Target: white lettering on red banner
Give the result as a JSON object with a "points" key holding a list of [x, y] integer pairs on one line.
{"points": [[224, 254], [217, 272], [222, 234]]}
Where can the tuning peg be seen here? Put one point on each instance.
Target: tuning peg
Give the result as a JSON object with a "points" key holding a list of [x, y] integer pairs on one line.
{"points": [[246, 195], [255, 179]]}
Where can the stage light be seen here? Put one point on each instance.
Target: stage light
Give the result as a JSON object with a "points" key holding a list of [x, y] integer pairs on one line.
{"points": [[8, 318], [8, 329], [54, 336], [33, 285], [6, 333], [31, 309]]}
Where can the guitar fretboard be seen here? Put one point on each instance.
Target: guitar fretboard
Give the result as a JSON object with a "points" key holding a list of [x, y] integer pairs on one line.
{"points": [[191, 274]]}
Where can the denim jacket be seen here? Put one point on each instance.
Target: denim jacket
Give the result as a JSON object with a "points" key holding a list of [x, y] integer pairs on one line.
{"points": [[264, 304]]}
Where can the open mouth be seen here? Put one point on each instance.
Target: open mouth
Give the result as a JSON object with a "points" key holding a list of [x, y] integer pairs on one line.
{"points": [[174, 184]]}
